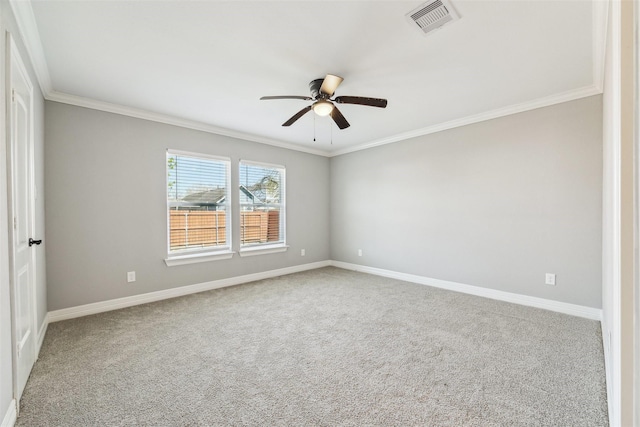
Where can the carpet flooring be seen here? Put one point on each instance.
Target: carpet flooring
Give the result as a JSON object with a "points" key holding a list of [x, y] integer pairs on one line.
{"points": [[327, 347]]}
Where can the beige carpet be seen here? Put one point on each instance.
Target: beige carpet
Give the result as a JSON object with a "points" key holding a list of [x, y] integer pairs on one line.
{"points": [[327, 347]]}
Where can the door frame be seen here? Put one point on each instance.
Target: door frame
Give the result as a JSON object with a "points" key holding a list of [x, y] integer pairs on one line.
{"points": [[636, 219], [14, 59]]}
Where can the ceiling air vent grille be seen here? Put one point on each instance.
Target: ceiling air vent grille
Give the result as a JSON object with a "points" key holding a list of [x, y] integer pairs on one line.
{"points": [[432, 15]]}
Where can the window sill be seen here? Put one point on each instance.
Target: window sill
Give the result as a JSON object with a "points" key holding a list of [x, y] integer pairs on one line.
{"points": [[195, 258], [263, 250]]}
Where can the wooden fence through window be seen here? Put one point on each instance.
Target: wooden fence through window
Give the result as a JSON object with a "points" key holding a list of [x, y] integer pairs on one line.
{"points": [[190, 229]]}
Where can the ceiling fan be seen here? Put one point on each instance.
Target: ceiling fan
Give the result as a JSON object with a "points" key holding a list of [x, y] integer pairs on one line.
{"points": [[321, 92]]}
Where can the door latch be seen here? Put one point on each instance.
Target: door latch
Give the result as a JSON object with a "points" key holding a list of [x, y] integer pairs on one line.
{"points": [[34, 242]]}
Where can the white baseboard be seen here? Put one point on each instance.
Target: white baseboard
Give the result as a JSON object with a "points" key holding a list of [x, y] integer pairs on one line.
{"points": [[560, 307], [115, 304], [10, 415], [41, 333]]}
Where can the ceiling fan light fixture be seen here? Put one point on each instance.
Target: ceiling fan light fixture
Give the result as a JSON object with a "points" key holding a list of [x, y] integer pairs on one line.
{"points": [[321, 91], [322, 107]]}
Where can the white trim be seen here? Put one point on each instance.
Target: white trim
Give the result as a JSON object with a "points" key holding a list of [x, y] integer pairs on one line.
{"points": [[23, 12], [262, 250], [613, 356], [10, 415], [203, 156], [547, 101], [41, 334], [281, 206], [557, 306], [171, 120], [30, 35], [193, 255], [115, 304], [189, 124], [636, 183], [196, 258], [261, 164]]}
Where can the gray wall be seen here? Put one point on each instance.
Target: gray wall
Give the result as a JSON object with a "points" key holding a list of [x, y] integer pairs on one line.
{"points": [[8, 23], [495, 204], [106, 205]]}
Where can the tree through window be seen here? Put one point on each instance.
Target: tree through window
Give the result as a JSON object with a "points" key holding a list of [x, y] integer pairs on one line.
{"points": [[261, 196]]}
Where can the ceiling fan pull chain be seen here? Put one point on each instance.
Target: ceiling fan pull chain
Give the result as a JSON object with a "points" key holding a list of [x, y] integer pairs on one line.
{"points": [[314, 128]]}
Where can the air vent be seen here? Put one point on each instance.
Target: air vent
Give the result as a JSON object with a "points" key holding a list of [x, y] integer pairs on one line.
{"points": [[432, 15]]}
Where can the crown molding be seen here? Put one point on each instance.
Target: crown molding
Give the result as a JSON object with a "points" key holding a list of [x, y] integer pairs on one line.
{"points": [[28, 29], [172, 120], [204, 127], [489, 115], [27, 26]]}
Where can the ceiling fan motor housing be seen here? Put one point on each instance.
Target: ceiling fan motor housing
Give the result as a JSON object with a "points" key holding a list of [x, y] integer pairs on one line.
{"points": [[314, 87], [321, 92]]}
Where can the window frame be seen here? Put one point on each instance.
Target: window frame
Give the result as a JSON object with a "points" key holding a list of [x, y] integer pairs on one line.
{"points": [[265, 248], [210, 253]]}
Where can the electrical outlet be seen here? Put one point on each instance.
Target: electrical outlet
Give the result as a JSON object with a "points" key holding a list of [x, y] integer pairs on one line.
{"points": [[131, 276], [359, 252], [550, 279], [303, 252]]}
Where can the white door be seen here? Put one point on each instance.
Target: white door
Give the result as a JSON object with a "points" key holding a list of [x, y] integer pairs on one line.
{"points": [[22, 211]]}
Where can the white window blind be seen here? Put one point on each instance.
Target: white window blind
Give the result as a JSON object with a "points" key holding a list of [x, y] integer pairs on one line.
{"points": [[198, 202], [262, 204]]}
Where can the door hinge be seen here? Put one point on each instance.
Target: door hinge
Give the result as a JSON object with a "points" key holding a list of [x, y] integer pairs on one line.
{"points": [[15, 223], [13, 95]]}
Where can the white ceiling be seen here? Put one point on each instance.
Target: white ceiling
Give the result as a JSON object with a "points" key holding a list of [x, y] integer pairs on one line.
{"points": [[205, 64]]}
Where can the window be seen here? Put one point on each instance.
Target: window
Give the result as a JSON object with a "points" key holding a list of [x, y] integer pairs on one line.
{"points": [[198, 204], [262, 206]]}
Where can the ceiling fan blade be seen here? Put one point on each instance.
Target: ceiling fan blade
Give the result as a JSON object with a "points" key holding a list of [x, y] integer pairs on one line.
{"points": [[360, 100], [297, 115], [306, 98], [337, 117], [330, 84]]}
